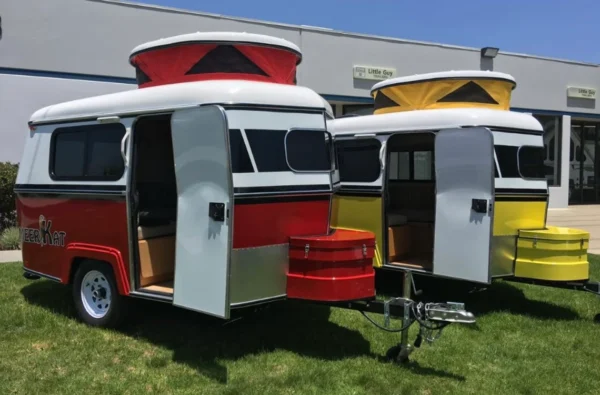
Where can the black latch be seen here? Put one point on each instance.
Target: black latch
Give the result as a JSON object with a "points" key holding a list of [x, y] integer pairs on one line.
{"points": [[216, 211], [479, 205]]}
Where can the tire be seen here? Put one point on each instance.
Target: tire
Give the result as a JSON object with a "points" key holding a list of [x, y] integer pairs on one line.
{"points": [[97, 299]]}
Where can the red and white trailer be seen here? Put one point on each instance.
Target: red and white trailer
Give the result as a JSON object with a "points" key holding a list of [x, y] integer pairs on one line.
{"points": [[208, 187]]}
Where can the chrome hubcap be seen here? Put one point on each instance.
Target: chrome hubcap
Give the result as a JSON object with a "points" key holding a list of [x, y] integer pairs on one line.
{"points": [[95, 294]]}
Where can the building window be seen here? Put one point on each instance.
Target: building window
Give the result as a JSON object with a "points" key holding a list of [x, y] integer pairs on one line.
{"points": [[423, 165], [91, 152], [357, 109], [358, 160], [400, 166], [553, 144], [411, 166]]}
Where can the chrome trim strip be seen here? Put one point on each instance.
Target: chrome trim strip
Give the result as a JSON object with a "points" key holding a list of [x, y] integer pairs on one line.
{"points": [[257, 301], [162, 110]]}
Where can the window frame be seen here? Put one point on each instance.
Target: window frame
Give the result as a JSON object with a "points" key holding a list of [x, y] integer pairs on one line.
{"points": [[519, 163], [82, 129], [331, 150], [371, 139]]}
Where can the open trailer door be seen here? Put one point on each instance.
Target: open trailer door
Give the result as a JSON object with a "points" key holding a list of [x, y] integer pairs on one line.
{"points": [[464, 168], [204, 214]]}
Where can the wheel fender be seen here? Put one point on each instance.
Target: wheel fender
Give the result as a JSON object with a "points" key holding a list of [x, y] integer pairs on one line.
{"points": [[100, 253]]}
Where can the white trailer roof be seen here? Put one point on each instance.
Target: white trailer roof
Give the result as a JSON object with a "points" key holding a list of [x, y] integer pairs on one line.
{"points": [[219, 37], [433, 120], [172, 96], [466, 74]]}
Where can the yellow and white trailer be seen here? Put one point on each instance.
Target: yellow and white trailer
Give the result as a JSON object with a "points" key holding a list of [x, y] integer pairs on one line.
{"points": [[453, 184]]}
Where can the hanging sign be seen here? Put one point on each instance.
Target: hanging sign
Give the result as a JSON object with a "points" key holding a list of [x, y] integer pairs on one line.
{"points": [[581, 93], [374, 73]]}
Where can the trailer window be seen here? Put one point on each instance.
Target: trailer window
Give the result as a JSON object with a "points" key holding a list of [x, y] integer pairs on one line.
{"points": [[268, 149], [507, 160], [358, 160], [240, 159], [91, 152], [308, 150], [531, 162]]}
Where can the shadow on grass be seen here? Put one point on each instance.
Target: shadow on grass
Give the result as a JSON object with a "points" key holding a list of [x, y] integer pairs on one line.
{"points": [[500, 296], [201, 342]]}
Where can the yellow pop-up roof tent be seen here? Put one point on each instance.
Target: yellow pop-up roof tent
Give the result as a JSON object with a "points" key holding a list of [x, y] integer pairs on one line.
{"points": [[450, 89]]}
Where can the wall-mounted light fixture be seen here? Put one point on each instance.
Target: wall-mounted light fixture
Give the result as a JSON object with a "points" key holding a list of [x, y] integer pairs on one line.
{"points": [[489, 52]]}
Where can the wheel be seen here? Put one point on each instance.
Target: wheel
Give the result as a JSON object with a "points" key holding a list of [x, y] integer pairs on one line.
{"points": [[397, 354], [96, 297]]}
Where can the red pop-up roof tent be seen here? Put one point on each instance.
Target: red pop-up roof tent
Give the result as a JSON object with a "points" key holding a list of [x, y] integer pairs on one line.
{"points": [[214, 56]]}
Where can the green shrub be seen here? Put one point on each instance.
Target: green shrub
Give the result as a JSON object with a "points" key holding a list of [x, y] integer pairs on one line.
{"points": [[10, 239], [8, 177]]}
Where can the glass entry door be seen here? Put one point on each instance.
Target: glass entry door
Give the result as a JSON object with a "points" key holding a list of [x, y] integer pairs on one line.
{"points": [[584, 169]]}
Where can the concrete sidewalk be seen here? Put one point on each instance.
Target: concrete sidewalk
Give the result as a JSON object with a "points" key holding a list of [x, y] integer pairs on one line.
{"points": [[11, 256], [580, 217]]}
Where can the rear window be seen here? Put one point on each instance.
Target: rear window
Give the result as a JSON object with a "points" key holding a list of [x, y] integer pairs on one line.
{"points": [[308, 150], [531, 162], [358, 160]]}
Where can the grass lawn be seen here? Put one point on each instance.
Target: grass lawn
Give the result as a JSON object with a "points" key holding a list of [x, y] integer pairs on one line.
{"points": [[527, 340]]}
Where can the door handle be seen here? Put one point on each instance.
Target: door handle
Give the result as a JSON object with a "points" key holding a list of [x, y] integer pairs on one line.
{"points": [[479, 205], [216, 211]]}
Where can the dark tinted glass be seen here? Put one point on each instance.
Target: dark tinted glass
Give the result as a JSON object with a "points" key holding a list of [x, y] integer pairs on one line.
{"points": [[358, 160], [240, 160], [268, 149], [69, 154], [88, 152], [104, 153], [507, 160], [531, 162], [308, 150]]}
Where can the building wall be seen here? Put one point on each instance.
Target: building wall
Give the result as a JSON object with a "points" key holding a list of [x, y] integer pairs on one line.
{"points": [[58, 37], [21, 96], [69, 49]]}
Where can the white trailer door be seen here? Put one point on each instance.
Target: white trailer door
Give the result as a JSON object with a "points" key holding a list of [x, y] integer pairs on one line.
{"points": [[204, 212], [464, 167]]}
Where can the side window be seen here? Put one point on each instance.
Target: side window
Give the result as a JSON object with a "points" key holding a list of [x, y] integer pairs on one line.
{"points": [[91, 152], [240, 159], [268, 149], [308, 150], [358, 160]]}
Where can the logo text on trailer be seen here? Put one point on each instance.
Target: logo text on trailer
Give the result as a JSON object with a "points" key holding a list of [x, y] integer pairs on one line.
{"points": [[43, 236]]}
